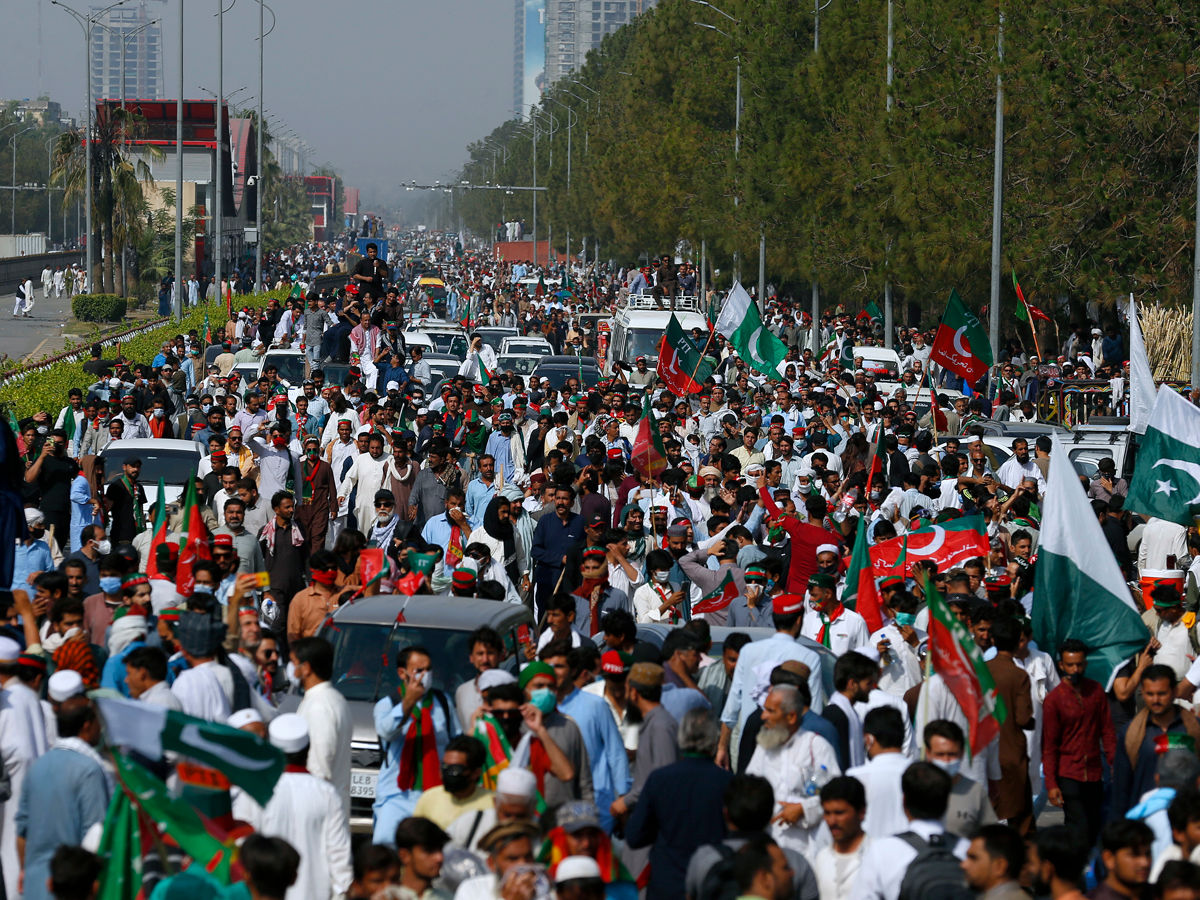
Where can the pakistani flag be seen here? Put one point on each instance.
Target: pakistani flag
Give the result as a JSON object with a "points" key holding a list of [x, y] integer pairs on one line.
{"points": [[1078, 589], [742, 325], [1166, 481], [244, 758]]}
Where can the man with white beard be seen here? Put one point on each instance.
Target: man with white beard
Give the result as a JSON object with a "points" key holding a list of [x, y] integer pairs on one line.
{"points": [[366, 473], [797, 764]]}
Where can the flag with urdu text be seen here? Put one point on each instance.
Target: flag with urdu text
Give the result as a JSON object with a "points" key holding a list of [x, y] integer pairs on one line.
{"points": [[649, 457], [159, 534], [244, 758], [680, 364], [1078, 589], [1166, 478], [196, 544], [724, 594], [862, 594], [961, 343], [957, 658], [948, 544], [741, 324]]}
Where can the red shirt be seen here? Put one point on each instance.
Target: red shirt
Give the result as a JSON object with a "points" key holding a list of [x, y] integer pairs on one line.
{"points": [[804, 539], [1076, 727]]}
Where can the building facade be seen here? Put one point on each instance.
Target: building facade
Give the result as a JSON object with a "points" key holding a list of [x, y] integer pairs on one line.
{"points": [[573, 27], [126, 54]]}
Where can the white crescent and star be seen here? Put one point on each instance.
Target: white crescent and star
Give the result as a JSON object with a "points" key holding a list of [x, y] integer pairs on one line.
{"points": [[934, 545], [1191, 469]]}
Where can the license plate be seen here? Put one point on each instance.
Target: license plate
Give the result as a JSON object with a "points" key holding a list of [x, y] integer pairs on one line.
{"points": [[362, 783]]}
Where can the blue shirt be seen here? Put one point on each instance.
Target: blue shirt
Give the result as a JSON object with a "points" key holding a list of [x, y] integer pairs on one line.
{"points": [[392, 725], [113, 676], [499, 445], [437, 531], [752, 675], [479, 495], [64, 794], [605, 749], [81, 509], [679, 701], [551, 540], [30, 558]]}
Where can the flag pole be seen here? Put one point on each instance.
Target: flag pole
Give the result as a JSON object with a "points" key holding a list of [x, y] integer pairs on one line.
{"points": [[699, 362]]}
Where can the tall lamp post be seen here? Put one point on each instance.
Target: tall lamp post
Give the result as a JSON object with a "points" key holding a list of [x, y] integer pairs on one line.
{"points": [[13, 141], [86, 23], [259, 183], [49, 190]]}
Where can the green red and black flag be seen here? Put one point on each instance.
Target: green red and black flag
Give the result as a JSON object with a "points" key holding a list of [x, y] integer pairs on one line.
{"points": [[862, 594], [724, 594], [649, 456], [948, 544], [956, 657], [159, 535], [1026, 309], [196, 544], [961, 344], [680, 364]]}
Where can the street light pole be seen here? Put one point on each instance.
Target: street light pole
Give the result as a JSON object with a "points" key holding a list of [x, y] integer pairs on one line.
{"points": [[49, 190], [13, 140], [888, 311], [219, 217], [998, 199], [260, 183], [179, 179]]}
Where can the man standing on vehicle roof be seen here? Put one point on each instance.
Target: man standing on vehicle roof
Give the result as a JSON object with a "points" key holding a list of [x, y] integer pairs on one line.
{"points": [[371, 272]]}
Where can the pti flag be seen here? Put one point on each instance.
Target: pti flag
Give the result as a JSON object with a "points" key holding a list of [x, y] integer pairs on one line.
{"points": [[961, 344], [742, 325], [680, 364], [244, 758], [649, 457], [1166, 479], [948, 544], [862, 594], [159, 534], [196, 544], [724, 594], [957, 658], [1078, 589]]}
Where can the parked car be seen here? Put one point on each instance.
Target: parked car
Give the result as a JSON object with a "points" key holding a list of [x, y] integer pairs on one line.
{"points": [[559, 368], [494, 335], [368, 634], [526, 345]]}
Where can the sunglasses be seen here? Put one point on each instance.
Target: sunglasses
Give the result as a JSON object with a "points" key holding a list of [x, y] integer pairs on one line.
{"points": [[384, 505]]}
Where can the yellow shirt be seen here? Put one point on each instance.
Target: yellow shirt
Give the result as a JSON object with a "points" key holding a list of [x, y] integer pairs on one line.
{"points": [[441, 807]]}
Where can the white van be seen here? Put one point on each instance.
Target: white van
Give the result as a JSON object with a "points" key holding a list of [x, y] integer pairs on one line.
{"points": [[639, 327]]}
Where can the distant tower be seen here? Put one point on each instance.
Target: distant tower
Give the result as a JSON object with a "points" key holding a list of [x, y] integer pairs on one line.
{"points": [[143, 51]]}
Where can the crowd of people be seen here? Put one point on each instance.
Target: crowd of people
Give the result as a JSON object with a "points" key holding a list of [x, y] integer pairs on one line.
{"points": [[696, 712]]}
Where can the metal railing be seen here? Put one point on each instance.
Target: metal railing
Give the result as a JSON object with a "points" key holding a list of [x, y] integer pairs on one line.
{"points": [[77, 352]]}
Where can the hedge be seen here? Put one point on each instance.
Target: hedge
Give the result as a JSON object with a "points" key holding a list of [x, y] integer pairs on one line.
{"points": [[46, 389], [98, 308]]}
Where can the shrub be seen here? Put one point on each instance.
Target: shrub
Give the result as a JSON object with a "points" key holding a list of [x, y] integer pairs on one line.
{"points": [[98, 308]]}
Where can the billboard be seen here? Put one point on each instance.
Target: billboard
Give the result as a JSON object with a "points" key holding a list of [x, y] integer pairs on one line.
{"points": [[535, 53]]}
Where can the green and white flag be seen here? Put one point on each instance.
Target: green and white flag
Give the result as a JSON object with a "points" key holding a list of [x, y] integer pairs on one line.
{"points": [[1078, 590], [1166, 480], [244, 758], [741, 324]]}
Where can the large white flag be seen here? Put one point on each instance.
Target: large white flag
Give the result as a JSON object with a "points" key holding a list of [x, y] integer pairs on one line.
{"points": [[1141, 379]]}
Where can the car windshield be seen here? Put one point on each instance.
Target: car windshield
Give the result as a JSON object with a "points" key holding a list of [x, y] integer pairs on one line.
{"points": [[172, 466], [641, 342], [558, 375], [493, 336], [442, 370], [336, 373], [290, 366], [520, 365], [364, 657], [448, 343], [884, 369], [539, 347]]}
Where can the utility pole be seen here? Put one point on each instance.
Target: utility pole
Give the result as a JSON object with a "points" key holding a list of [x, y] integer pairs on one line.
{"points": [[888, 311], [179, 179], [998, 199], [219, 218]]}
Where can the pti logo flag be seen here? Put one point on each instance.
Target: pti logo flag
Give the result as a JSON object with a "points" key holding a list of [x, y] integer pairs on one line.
{"points": [[961, 344], [680, 364], [949, 544], [726, 592]]}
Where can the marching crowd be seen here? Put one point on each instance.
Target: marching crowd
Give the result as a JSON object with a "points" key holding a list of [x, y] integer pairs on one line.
{"points": [[766, 736]]}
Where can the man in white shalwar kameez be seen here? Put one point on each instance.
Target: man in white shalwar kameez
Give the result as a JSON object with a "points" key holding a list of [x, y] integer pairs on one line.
{"points": [[366, 472], [307, 813], [22, 740]]}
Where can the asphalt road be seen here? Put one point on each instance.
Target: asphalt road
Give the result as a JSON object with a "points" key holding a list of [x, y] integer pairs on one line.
{"points": [[39, 335]]}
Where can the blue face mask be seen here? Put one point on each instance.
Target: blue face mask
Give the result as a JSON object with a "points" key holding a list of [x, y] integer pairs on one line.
{"points": [[544, 699], [905, 618], [110, 584]]}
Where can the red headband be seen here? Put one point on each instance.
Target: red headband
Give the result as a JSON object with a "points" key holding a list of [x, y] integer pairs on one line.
{"points": [[324, 576]]}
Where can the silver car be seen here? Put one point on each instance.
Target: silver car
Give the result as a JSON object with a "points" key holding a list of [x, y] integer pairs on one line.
{"points": [[368, 634]]}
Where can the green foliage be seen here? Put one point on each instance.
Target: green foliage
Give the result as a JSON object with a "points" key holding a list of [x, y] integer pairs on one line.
{"points": [[1100, 157], [46, 389], [98, 307]]}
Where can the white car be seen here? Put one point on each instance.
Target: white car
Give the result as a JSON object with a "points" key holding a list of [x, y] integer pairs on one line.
{"points": [[524, 345], [519, 363], [174, 461]]}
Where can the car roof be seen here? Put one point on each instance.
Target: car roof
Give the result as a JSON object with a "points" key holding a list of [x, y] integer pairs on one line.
{"points": [[653, 318], [569, 361], [433, 611], [156, 443]]}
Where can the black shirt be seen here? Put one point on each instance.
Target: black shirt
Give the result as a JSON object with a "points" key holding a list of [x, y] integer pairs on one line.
{"points": [[377, 270]]}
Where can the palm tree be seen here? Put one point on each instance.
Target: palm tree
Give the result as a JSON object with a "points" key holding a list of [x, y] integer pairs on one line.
{"points": [[117, 184]]}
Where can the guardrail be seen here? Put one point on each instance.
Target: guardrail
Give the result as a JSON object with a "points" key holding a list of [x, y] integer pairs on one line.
{"points": [[78, 351], [1071, 403]]}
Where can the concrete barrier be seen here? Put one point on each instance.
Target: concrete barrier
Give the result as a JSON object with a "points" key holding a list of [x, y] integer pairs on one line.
{"points": [[15, 269]]}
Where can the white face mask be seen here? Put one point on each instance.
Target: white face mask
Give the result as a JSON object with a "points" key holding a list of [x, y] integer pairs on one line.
{"points": [[104, 547], [949, 766], [661, 577], [425, 679]]}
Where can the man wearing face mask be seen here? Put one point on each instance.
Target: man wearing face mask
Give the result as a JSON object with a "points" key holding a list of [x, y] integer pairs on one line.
{"points": [[279, 468], [317, 495], [1076, 728], [92, 545], [52, 473], [460, 791], [832, 625], [415, 723], [969, 807], [99, 606]]}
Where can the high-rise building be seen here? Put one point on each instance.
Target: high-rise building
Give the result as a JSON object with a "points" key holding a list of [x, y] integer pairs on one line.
{"points": [[529, 53], [134, 30], [573, 27]]}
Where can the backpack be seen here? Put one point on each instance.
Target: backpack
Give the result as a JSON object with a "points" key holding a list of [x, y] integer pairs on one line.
{"points": [[935, 873], [718, 882]]}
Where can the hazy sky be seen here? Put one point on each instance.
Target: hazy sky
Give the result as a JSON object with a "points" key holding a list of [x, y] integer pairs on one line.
{"points": [[384, 90]]}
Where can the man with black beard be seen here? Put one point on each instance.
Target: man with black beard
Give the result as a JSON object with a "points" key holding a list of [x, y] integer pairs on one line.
{"points": [[1057, 862]]}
